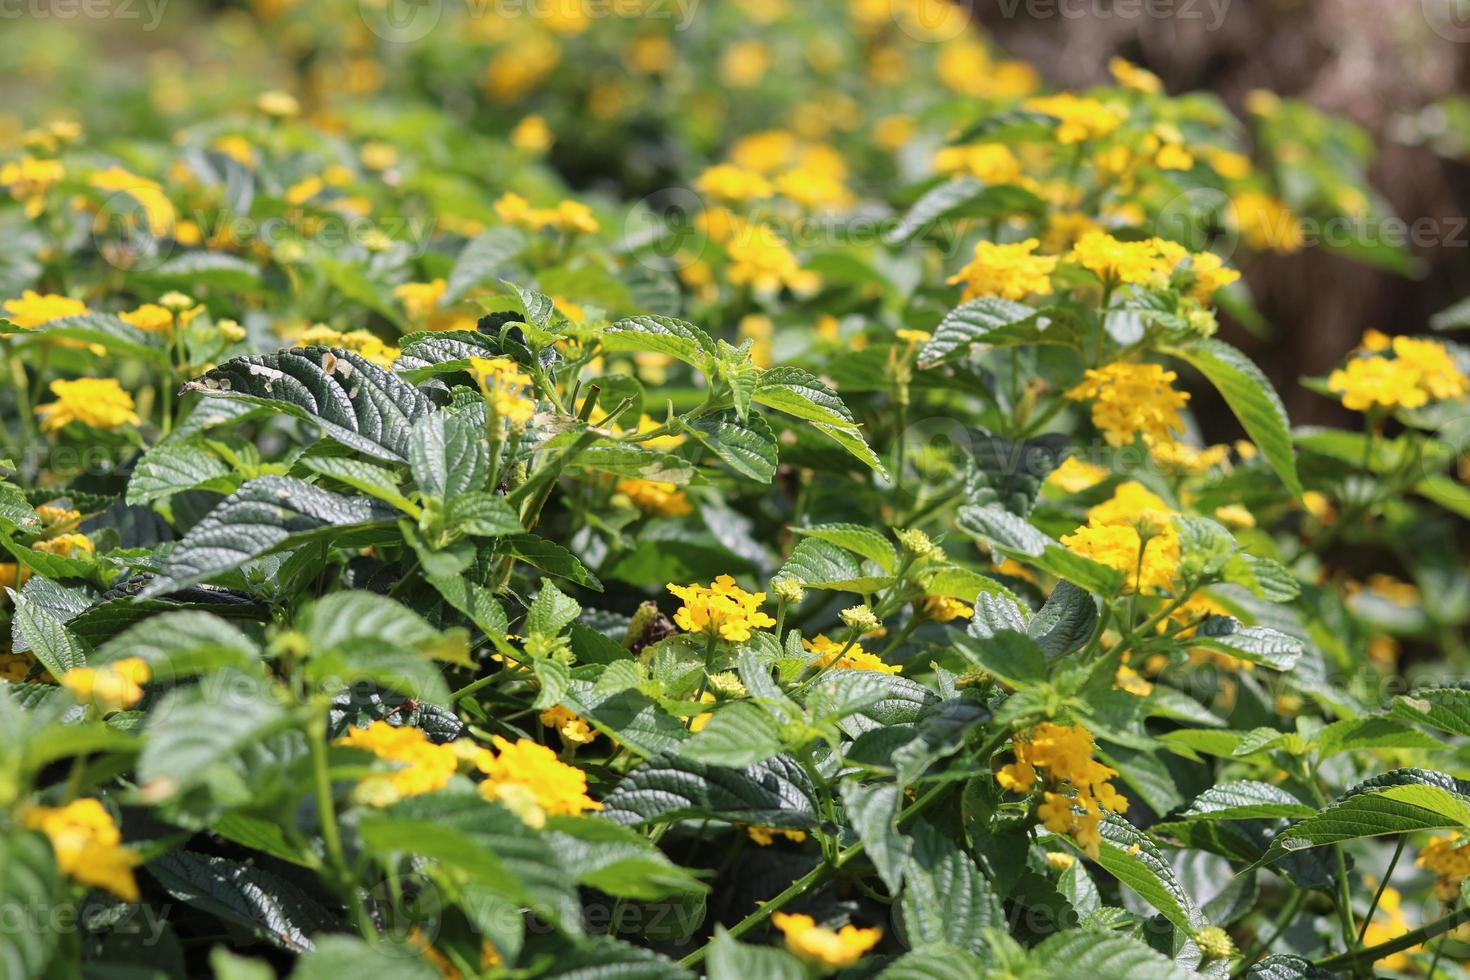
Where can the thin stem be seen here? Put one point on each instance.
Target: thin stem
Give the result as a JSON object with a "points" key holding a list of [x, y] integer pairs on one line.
{"points": [[1284, 918], [1392, 863], [1361, 957]]}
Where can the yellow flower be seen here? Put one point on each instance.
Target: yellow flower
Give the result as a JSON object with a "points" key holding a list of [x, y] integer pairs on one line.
{"points": [[831, 653], [504, 385], [369, 345], [1148, 567], [760, 259], [1131, 400], [1129, 680], [529, 780], [1009, 271], [532, 135], [423, 766], [1235, 514], [764, 152], [575, 216], [1267, 223], [1076, 475], [766, 836], [993, 163], [813, 187], [421, 303], [1130, 76], [29, 180], [279, 105], [722, 609], [157, 208], [744, 64], [111, 687], [1076, 792], [1389, 923], [1171, 156], [1449, 858], [656, 497], [943, 608], [1079, 119], [378, 156], [66, 545], [1210, 274], [822, 946], [1365, 383], [98, 403], [1132, 503], [87, 845], [1435, 371], [35, 309], [1115, 262], [731, 183], [572, 727]]}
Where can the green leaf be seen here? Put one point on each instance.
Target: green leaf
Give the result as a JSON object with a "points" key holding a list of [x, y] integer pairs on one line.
{"points": [[633, 461], [338, 956], [961, 198], [353, 400], [747, 446], [802, 394], [1132, 857], [1285, 966], [739, 734], [483, 515], [45, 635], [819, 564], [729, 960], [1065, 621], [172, 467], [616, 860], [945, 898], [448, 456], [203, 270], [479, 842], [1091, 953], [1253, 400], [1246, 800], [1399, 802], [264, 515], [629, 716], [1370, 732], [1444, 708], [999, 323], [481, 260], [106, 330], [362, 476], [31, 888], [660, 335], [261, 902], [551, 611], [872, 811], [774, 793], [182, 644], [1012, 657], [549, 557], [856, 538], [1266, 578], [1258, 644]]}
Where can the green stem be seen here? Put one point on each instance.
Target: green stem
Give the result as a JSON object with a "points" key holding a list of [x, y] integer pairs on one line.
{"points": [[1367, 957], [1284, 918], [1392, 863]]}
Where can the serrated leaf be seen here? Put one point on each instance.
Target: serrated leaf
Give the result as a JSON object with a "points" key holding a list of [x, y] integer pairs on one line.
{"points": [[1014, 537], [28, 880], [999, 323], [353, 400], [1012, 657], [1132, 857], [1258, 644], [1445, 708], [855, 538], [549, 557], [182, 643], [45, 635], [1401, 802], [173, 467], [820, 564], [105, 330], [448, 455], [551, 611], [945, 898], [265, 904], [660, 335], [960, 198], [263, 516], [801, 394], [776, 792], [1252, 398], [1065, 621], [872, 811], [746, 446], [337, 956], [1246, 800], [1091, 953], [483, 515], [739, 734]]}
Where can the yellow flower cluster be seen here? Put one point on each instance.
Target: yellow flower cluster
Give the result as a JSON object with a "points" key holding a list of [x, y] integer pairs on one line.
{"points": [[759, 258], [827, 948], [1075, 787], [157, 209], [572, 727], [846, 656], [1009, 271], [29, 179], [1116, 262], [1266, 223], [944, 609], [656, 497], [424, 766], [766, 836], [1079, 119], [154, 318], [723, 609], [35, 309], [1449, 858], [363, 342], [504, 385], [1130, 76], [528, 779], [1132, 533], [421, 303], [572, 217], [1419, 372], [111, 687], [1131, 400], [992, 163], [87, 845], [729, 182], [1076, 475], [98, 403]]}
